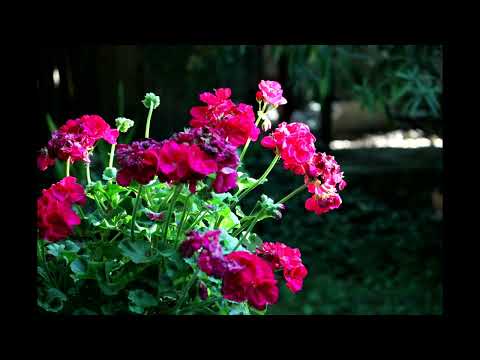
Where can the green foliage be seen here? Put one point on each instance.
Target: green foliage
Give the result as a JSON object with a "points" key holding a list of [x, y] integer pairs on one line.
{"points": [[405, 80]]}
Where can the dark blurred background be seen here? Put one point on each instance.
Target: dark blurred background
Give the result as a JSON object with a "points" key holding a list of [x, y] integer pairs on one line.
{"points": [[376, 108]]}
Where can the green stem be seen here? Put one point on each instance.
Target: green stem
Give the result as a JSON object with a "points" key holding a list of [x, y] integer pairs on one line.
{"points": [[218, 222], [87, 169], [292, 194], [68, 167], [112, 153], [134, 214], [197, 220], [185, 290], [115, 237], [147, 128], [186, 210], [260, 180], [100, 205], [254, 221], [256, 124], [170, 210]]}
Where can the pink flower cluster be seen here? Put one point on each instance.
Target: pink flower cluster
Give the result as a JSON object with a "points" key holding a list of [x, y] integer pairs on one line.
{"points": [[271, 92], [75, 139], [246, 276], [325, 196], [213, 143], [295, 144], [254, 283], [236, 122], [211, 259], [287, 259], [56, 218], [186, 157], [138, 161]]}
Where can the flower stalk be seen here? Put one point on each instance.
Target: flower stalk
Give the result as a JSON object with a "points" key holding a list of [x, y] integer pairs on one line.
{"points": [[134, 213], [260, 180], [292, 194]]}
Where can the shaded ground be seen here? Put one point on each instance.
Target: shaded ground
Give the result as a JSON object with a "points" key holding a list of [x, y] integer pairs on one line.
{"points": [[380, 253]]}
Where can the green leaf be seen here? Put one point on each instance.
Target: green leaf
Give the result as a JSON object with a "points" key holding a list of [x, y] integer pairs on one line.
{"points": [[50, 123], [142, 299], [230, 219], [54, 301], [139, 251], [78, 266], [41, 271]]}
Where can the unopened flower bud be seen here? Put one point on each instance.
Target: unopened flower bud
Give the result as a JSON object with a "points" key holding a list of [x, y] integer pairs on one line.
{"points": [[156, 216], [202, 291], [123, 124], [151, 99], [109, 173], [259, 96], [266, 125]]}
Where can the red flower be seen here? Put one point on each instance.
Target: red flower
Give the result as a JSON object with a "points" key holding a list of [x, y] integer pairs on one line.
{"points": [[184, 163], [226, 180], [294, 277], [324, 198], [283, 257], [97, 128], [254, 282], [55, 216], [327, 168], [211, 260], [272, 92], [213, 143], [44, 160], [138, 161], [294, 143], [239, 125], [55, 219], [67, 190], [76, 138], [237, 122]]}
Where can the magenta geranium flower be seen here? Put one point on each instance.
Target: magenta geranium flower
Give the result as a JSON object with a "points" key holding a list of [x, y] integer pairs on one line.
{"points": [[271, 92], [236, 121], [138, 161], [56, 219], [212, 142], [254, 282], [294, 143], [287, 259], [75, 139], [184, 163]]}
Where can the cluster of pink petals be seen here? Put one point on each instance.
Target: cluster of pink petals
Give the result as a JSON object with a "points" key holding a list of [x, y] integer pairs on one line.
{"points": [[211, 260], [212, 142], [237, 122], [138, 161], [271, 92], [254, 282], [56, 219], [294, 143], [323, 177], [324, 199], [283, 257], [327, 168], [75, 139], [182, 163]]}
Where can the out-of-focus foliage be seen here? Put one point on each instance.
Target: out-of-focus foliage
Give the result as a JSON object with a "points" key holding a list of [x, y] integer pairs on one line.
{"points": [[405, 80]]}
